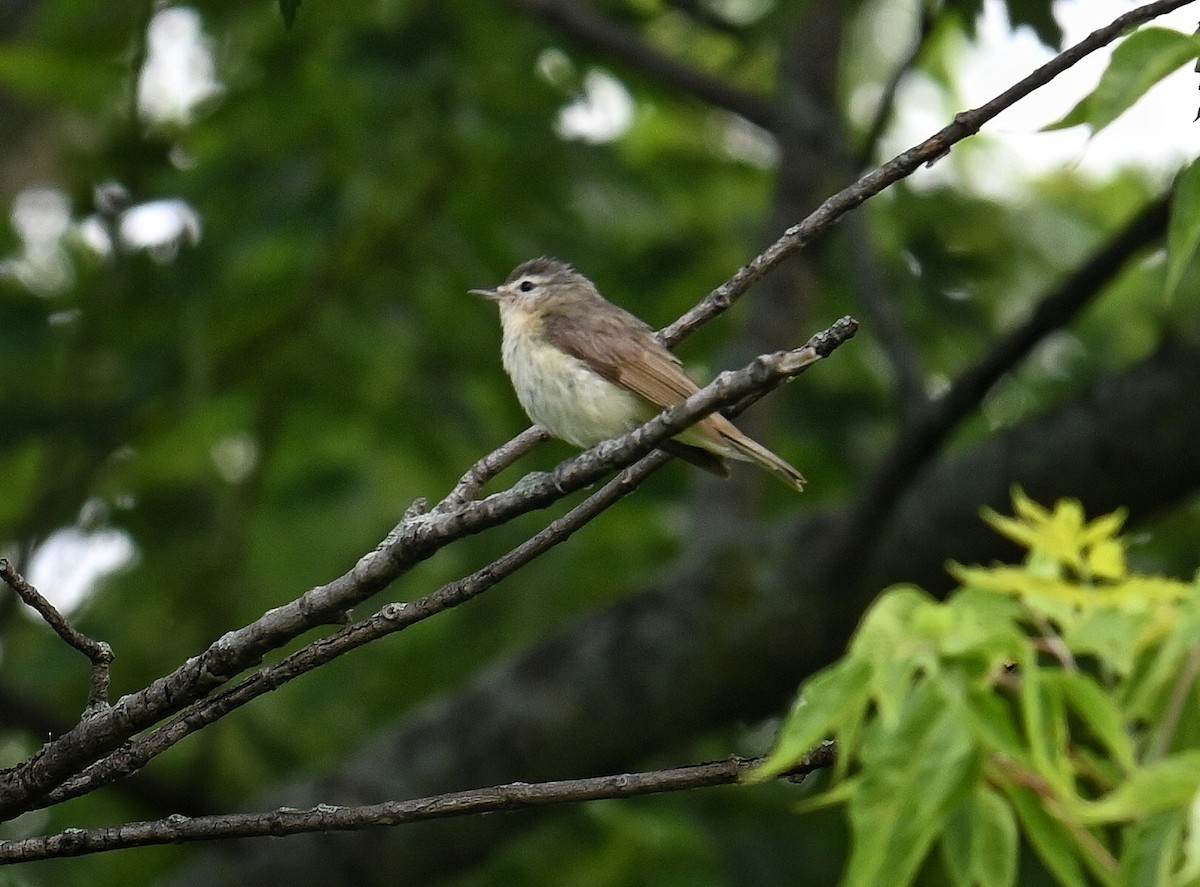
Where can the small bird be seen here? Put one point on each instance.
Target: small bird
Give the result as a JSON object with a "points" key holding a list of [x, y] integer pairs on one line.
{"points": [[587, 370]]}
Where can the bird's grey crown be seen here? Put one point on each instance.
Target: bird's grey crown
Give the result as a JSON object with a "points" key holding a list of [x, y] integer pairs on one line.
{"points": [[543, 266]]}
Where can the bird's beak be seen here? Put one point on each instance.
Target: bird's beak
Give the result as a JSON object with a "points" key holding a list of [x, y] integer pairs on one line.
{"points": [[490, 294]]}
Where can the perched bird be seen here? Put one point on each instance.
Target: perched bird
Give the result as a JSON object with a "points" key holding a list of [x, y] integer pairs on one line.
{"points": [[587, 370]]}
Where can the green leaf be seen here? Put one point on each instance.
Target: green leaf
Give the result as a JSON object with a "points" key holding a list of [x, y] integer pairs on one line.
{"points": [[828, 700], [997, 845], [1189, 872], [991, 717], [1156, 675], [1109, 635], [1149, 850], [1183, 232], [1049, 837], [985, 625], [1038, 15], [1096, 709], [1038, 722], [1170, 783], [889, 641], [913, 775], [1142, 60], [980, 841]]}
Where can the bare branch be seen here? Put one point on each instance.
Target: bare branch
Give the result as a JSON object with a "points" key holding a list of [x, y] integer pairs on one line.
{"points": [[965, 124], [492, 464], [414, 540], [577, 21], [931, 425], [134, 755], [664, 666], [420, 536], [98, 653], [928, 17], [325, 818]]}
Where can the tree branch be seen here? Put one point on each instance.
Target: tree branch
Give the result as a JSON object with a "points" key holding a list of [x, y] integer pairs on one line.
{"points": [[578, 22], [422, 534], [414, 540], [966, 123], [327, 818], [686, 656], [134, 755], [932, 424], [395, 617], [98, 653], [482, 472]]}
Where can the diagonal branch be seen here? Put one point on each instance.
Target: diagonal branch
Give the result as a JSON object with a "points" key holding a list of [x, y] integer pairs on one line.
{"points": [[417, 538], [966, 123], [98, 653], [327, 818], [134, 755], [422, 534], [395, 617], [930, 426], [661, 667], [580, 23]]}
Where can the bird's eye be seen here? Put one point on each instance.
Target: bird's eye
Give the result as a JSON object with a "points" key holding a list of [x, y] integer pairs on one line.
{"points": [[525, 286]]}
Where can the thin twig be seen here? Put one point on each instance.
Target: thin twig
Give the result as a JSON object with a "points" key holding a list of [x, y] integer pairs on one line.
{"points": [[828, 213], [98, 653], [394, 617], [134, 755], [419, 537], [492, 464], [965, 124], [920, 439], [327, 817], [577, 21]]}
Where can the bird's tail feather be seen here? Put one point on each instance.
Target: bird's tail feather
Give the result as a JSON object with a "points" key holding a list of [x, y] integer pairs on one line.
{"points": [[752, 451]]}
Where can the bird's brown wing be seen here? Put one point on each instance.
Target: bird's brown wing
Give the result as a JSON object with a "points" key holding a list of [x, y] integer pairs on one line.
{"points": [[623, 350]]}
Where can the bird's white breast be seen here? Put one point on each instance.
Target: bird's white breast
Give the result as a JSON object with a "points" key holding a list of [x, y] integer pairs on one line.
{"points": [[560, 392]]}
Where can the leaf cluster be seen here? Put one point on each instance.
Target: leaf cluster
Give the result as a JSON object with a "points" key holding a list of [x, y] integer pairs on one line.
{"points": [[1053, 701]]}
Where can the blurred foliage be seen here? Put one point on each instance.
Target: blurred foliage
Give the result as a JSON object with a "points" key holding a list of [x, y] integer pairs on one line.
{"points": [[257, 408], [1052, 701]]}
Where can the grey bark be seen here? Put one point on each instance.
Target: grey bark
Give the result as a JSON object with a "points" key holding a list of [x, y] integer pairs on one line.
{"points": [[726, 639]]}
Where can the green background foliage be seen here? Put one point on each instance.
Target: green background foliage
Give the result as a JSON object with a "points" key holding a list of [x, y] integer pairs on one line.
{"points": [[259, 410], [1054, 698]]}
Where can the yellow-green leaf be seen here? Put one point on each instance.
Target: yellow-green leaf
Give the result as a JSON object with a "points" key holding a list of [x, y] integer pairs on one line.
{"points": [[1141, 61], [913, 776], [1106, 560], [1096, 709], [1171, 782], [827, 700], [979, 844]]}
